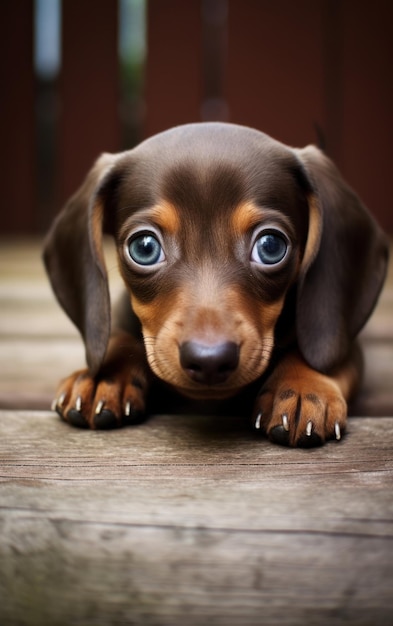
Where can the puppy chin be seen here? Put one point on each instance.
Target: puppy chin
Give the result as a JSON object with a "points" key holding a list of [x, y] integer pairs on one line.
{"points": [[207, 393]]}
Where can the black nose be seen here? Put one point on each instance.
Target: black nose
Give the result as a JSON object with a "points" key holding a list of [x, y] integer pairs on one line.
{"points": [[209, 365]]}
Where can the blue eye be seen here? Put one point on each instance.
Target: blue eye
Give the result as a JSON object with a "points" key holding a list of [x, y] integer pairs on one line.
{"points": [[270, 248], [145, 250]]}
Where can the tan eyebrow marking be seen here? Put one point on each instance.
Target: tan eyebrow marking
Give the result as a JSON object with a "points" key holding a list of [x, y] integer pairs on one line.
{"points": [[248, 215], [165, 216], [244, 217]]}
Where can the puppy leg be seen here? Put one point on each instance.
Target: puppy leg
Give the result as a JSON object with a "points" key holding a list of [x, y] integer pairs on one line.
{"points": [[117, 395], [299, 406]]}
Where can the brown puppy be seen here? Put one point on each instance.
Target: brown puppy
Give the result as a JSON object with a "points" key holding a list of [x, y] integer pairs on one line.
{"points": [[250, 267]]}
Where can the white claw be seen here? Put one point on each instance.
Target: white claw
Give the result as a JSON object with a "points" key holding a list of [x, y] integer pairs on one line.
{"points": [[99, 407], [309, 428], [337, 431], [285, 422], [60, 401], [127, 409], [257, 424], [78, 404]]}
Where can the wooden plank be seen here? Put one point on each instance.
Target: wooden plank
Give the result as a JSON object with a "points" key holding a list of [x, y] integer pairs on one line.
{"points": [[38, 343], [172, 577], [193, 520]]}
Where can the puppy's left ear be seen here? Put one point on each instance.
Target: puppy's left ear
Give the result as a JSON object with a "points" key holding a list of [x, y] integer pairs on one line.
{"points": [[344, 275]]}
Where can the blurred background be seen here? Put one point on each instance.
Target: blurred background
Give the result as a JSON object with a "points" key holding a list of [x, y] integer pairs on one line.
{"points": [[79, 77]]}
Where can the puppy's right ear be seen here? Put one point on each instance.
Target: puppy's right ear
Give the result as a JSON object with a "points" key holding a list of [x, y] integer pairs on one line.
{"points": [[74, 261]]}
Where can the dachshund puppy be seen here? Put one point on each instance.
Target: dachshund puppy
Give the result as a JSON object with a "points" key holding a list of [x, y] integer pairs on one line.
{"points": [[249, 267]]}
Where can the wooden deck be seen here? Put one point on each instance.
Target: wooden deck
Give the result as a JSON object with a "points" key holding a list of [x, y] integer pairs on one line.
{"points": [[182, 520]]}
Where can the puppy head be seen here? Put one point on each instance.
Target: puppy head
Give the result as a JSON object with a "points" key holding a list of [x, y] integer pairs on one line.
{"points": [[216, 227]]}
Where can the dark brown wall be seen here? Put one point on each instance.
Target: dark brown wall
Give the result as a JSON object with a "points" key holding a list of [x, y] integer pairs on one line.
{"points": [[365, 151], [304, 71], [275, 77], [17, 162], [173, 69], [89, 122], [307, 71]]}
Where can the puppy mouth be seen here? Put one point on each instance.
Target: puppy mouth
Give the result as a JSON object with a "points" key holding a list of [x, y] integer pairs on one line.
{"points": [[208, 393], [186, 386]]}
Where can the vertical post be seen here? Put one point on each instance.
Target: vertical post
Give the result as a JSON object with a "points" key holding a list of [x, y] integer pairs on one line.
{"points": [[89, 120], [17, 117], [174, 64], [275, 79], [214, 105], [367, 125]]}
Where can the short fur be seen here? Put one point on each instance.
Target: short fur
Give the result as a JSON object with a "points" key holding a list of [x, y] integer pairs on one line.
{"points": [[208, 319]]}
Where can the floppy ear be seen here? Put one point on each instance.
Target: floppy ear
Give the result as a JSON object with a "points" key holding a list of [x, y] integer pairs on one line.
{"points": [[340, 286], [74, 260]]}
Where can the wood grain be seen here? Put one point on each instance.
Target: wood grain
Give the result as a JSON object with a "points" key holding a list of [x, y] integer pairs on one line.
{"points": [[193, 520]]}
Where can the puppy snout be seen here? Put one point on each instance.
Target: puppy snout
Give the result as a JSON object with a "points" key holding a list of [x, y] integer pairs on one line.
{"points": [[209, 364]]}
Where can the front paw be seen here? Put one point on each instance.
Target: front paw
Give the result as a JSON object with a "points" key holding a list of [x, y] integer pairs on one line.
{"points": [[101, 402], [303, 408]]}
